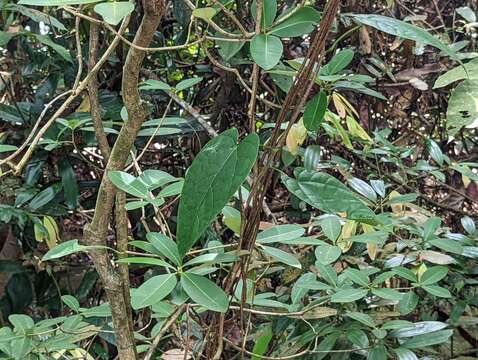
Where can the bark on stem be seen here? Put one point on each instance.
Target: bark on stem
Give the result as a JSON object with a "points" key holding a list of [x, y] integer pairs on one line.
{"points": [[95, 233]]}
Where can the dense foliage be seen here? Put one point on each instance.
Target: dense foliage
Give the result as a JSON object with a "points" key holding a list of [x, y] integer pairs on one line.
{"points": [[223, 179]]}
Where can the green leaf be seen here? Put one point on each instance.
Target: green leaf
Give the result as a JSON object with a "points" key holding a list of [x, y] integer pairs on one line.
{"points": [[71, 302], [405, 354], [315, 110], [36, 15], [282, 256], [435, 151], [387, 293], [421, 341], [326, 345], [144, 261], [45, 196], [187, 83], [358, 338], [357, 277], [312, 157], [328, 194], [363, 188], [64, 249], [63, 52], [362, 318], [227, 49], [327, 254], [348, 295], [154, 179], [433, 275], [327, 273], [378, 352], [458, 73], [167, 247], [266, 50], [301, 22], [21, 323], [214, 176], [232, 219], [262, 343], [56, 2], [463, 107], [153, 291], [419, 328], [448, 245], [339, 62], [204, 292], [206, 13], [5, 38], [70, 185], [129, 184], [404, 30], [7, 148], [331, 226], [114, 12], [280, 233], [269, 12], [154, 85], [437, 291], [405, 273], [408, 303]]}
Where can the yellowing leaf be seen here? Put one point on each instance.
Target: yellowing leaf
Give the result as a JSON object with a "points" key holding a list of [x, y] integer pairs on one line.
{"points": [[296, 137], [420, 270], [372, 248], [84, 106], [356, 130], [348, 230], [348, 106], [206, 13], [49, 232], [466, 180], [53, 231], [339, 105], [396, 208]]}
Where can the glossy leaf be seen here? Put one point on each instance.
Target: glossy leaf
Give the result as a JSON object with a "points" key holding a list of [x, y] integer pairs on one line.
{"points": [[315, 111], [421, 341], [204, 292], [266, 50], [303, 21], [280, 233], [348, 295], [269, 12], [164, 245], [282, 256], [114, 12], [327, 254], [214, 176], [153, 290], [404, 30], [328, 194]]}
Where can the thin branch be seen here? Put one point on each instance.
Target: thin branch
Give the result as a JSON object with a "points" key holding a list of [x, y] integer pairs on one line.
{"points": [[163, 330], [76, 92]]}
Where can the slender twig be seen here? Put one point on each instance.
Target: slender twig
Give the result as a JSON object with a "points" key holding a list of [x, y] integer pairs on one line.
{"points": [[76, 92], [163, 330]]}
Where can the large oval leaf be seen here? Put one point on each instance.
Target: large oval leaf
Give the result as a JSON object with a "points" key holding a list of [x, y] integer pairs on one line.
{"points": [[153, 291], [114, 12], [301, 22], [328, 194], [204, 292], [214, 176], [404, 30], [266, 50]]}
